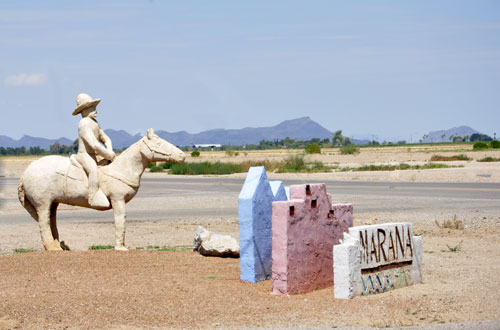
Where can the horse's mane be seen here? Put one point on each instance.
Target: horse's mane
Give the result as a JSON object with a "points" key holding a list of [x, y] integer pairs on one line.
{"points": [[129, 149], [121, 159]]}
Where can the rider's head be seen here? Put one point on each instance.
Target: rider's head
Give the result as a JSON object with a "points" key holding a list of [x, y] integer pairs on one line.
{"points": [[86, 106], [89, 112]]}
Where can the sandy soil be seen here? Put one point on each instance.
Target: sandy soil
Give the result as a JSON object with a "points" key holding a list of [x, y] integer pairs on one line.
{"points": [[108, 289], [147, 289]]}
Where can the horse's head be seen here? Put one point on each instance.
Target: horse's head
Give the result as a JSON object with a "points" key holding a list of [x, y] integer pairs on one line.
{"points": [[161, 150]]}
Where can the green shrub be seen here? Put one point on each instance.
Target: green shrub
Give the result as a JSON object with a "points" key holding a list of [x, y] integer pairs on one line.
{"points": [[455, 248], [156, 169], [436, 165], [294, 163], [195, 153], [270, 166], [101, 247], [318, 166], [313, 149], [167, 165], [151, 164], [349, 149], [463, 157], [231, 153], [206, 168], [377, 168], [23, 250], [489, 159], [495, 144], [182, 168], [480, 146], [404, 166]]}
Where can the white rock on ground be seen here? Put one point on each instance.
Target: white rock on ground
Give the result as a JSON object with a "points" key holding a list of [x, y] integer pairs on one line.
{"points": [[211, 244]]}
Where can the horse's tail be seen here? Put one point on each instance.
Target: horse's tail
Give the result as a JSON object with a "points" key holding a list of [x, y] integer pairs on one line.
{"points": [[25, 201]]}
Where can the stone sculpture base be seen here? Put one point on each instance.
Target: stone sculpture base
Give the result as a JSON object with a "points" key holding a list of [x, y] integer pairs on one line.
{"points": [[375, 259]]}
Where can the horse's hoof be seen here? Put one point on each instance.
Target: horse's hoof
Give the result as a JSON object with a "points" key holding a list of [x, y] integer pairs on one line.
{"points": [[120, 248], [64, 246], [54, 247]]}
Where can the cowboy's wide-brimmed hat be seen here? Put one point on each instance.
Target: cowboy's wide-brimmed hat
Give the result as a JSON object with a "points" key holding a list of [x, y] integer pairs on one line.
{"points": [[84, 101]]}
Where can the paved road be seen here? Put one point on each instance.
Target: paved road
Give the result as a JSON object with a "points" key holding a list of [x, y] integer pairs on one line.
{"points": [[407, 198], [368, 197], [489, 191]]}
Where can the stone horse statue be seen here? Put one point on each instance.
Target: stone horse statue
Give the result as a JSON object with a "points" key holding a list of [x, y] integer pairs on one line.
{"points": [[54, 179]]}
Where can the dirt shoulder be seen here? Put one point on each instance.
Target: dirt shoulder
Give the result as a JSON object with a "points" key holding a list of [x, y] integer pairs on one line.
{"points": [[108, 289]]}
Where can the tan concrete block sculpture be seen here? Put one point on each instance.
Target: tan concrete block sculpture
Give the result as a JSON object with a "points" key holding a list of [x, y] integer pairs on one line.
{"points": [[52, 180]]}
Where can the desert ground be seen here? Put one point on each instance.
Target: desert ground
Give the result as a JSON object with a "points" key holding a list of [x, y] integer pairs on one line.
{"points": [[141, 288]]}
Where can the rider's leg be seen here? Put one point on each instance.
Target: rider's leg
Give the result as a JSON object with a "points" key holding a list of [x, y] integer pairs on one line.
{"points": [[96, 197]]}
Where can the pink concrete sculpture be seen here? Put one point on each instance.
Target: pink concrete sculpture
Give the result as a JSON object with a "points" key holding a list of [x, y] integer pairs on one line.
{"points": [[305, 229]]}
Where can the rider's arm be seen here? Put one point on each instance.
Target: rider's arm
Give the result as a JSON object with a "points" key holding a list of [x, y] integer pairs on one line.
{"points": [[86, 134], [105, 139]]}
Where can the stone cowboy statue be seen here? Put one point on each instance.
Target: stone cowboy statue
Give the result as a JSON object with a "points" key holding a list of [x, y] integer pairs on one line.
{"points": [[92, 141]]}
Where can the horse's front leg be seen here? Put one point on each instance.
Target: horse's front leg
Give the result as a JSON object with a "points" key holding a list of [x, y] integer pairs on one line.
{"points": [[120, 218]]}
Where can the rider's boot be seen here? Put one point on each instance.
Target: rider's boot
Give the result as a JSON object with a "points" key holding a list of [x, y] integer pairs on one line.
{"points": [[99, 200]]}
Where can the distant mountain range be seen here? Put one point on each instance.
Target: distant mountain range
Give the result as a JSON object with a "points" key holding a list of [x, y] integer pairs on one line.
{"points": [[121, 139], [444, 136], [303, 128], [31, 141]]}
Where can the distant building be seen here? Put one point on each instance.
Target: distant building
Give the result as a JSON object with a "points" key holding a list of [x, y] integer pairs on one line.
{"points": [[207, 146]]}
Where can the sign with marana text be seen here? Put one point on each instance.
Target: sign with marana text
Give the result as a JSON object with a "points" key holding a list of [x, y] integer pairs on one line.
{"points": [[383, 245], [377, 258]]}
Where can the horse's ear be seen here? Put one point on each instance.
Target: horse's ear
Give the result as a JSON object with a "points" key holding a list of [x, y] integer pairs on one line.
{"points": [[151, 133]]}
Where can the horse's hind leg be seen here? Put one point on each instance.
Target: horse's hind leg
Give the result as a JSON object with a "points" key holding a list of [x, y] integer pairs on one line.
{"points": [[53, 225], [53, 221], [44, 221]]}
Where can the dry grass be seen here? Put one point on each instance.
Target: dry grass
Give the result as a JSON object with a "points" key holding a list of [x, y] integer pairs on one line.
{"points": [[439, 158], [20, 158], [451, 224], [331, 158]]}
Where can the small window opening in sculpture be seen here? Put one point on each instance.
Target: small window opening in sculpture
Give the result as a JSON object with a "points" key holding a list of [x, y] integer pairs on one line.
{"points": [[292, 211]]}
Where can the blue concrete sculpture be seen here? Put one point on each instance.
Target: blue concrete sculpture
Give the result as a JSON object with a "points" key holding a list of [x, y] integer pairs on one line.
{"points": [[287, 191], [254, 217], [279, 191]]}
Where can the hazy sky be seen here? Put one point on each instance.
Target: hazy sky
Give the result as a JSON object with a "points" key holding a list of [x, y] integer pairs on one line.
{"points": [[395, 69]]}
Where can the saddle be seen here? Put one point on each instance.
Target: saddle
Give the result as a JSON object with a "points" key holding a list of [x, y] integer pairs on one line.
{"points": [[75, 170]]}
